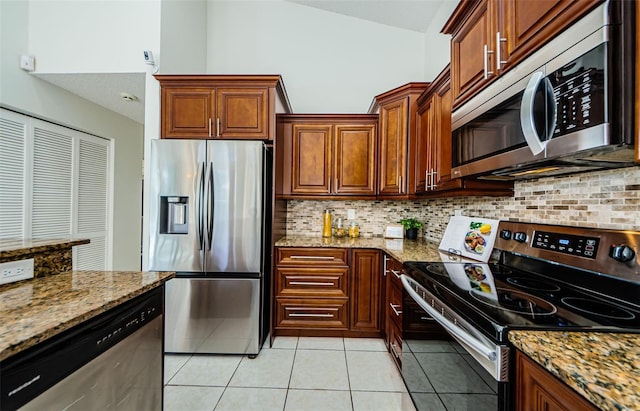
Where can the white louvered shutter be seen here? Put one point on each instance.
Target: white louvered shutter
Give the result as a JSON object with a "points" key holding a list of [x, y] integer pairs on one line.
{"points": [[13, 135], [92, 206], [52, 184]]}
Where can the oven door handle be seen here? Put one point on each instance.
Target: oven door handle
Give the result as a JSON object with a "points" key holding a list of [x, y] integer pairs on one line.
{"points": [[448, 325]]}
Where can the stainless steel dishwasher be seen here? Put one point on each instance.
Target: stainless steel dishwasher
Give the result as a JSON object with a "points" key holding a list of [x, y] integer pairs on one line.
{"points": [[113, 361]]}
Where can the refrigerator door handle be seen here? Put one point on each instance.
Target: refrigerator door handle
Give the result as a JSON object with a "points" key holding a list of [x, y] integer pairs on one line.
{"points": [[199, 205], [210, 205]]}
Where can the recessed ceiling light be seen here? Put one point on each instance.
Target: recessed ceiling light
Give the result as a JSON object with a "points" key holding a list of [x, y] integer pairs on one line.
{"points": [[128, 97]]}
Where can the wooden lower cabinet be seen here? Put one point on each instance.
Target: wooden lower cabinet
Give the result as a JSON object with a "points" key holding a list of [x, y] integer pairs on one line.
{"points": [[393, 315], [538, 390], [327, 292], [365, 290]]}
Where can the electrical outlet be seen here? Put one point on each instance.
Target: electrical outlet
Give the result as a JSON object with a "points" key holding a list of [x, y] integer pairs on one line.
{"points": [[16, 270], [351, 214]]}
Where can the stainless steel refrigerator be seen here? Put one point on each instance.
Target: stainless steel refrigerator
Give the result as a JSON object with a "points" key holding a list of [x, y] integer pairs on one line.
{"points": [[208, 202]]}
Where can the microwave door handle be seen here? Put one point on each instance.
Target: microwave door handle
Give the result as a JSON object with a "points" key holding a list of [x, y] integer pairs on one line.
{"points": [[527, 120]]}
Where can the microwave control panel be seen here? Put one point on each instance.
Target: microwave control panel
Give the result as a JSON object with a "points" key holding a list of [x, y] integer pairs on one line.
{"points": [[580, 94]]}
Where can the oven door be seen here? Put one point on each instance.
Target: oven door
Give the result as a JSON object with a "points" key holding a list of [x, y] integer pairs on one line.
{"points": [[465, 372]]}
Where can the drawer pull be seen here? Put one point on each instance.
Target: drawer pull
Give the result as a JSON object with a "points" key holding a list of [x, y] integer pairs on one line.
{"points": [[393, 307], [396, 273], [311, 257], [311, 315], [427, 318], [311, 283]]}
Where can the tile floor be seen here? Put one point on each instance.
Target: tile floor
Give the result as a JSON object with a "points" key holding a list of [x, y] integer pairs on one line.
{"points": [[305, 373]]}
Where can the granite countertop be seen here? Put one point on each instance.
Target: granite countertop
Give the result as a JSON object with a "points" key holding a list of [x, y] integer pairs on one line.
{"points": [[603, 367], [402, 250], [16, 247], [34, 310]]}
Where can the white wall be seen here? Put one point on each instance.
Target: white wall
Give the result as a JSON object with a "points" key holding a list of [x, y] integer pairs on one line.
{"points": [[183, 36], [437, 46], [26, 93], [329, 62], [98, 36]]}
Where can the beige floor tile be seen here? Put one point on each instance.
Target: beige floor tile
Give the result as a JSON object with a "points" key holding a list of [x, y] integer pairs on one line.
{"points": [[207, 370], [381, 401], [252, 399], [285, 342], [189, 398], [318, 400], [172, 364], [319, 369], [364, 344], [270, 369], [373, 371], [320, 343]]}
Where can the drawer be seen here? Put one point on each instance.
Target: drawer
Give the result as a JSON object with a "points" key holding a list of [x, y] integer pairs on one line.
{"points": [[321, 282], [312, 313], [394, 305], [395, 344], [312, 256]]}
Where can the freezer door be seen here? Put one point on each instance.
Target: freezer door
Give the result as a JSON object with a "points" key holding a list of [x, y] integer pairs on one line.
{"points": [[234, 207], [176, 193], [212, 315]]}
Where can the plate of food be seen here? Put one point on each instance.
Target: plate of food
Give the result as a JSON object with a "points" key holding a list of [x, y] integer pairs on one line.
{"points": [[474, 242]]}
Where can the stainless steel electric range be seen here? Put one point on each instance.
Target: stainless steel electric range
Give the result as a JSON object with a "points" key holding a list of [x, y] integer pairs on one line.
{"points": [[540, 277]]}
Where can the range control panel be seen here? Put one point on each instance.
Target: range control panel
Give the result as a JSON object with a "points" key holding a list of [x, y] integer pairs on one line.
{"points": [[566, 243]]}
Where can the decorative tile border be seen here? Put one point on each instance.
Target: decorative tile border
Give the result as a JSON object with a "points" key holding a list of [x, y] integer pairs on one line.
{"points": [[602, 199]]}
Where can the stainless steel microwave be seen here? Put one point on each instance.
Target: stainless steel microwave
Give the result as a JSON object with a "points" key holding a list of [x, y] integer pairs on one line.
{"points": [[567, 108]]}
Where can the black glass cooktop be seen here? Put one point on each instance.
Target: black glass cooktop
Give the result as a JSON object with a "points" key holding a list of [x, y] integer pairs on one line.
{"points": [[498, 297]]}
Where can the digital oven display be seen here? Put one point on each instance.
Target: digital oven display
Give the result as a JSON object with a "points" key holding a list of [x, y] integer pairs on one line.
{"points": [[567, 243]]}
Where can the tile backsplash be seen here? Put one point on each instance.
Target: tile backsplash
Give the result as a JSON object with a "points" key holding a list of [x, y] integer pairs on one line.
{"points": [[603, 199]]}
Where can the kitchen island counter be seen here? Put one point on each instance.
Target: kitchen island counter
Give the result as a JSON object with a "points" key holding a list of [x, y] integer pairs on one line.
{"points": [[32, 311], [602, 367], [402, 250]]}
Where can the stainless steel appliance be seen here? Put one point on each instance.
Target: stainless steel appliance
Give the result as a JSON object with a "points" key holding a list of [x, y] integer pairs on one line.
{"points": [[543, 277], [208, 206], [113, 361], [567, 108]]}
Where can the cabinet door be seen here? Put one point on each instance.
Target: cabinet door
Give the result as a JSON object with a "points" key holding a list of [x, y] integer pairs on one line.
{"points": [[364, 294], [393, 147], [426, 151], [187, 112], [242, 113], [355, 168], [311, 162], [538, 390], [529, 24], [472, 57]]}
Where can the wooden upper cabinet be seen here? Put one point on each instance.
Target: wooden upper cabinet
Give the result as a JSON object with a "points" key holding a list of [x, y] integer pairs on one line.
{"points": [[311, 158], [355, 149], [397, 110], [529, 24], [217, 106], [433, 167], [489, 37], [243, 113], [393, 147], [326, 154], [187, 112], [472, 51]]}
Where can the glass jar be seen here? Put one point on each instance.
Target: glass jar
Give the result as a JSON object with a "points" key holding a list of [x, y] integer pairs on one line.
{"points": [[339, 230], [326, 223], [354, 229]]}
